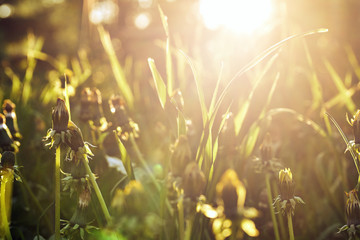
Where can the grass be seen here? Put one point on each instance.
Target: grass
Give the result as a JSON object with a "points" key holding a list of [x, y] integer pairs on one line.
{"points": [[225, 122]]}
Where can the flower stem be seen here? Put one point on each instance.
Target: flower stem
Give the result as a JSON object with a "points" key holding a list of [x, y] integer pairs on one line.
{"points": [[57, 194], [4, 218], [270, 201], [290, 225], [97, 190]]}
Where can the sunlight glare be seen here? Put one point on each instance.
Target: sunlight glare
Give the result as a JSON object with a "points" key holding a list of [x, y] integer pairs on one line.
{"points": [[5, 11], [241, 16], [142, 21]]}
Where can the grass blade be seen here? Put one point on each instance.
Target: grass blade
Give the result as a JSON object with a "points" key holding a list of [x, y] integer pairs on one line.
{"points": [[159, 82]]}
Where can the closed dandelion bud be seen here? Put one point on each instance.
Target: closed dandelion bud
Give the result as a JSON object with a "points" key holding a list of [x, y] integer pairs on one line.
{"points": [[91, 105], [181, 156], [60, 116], [74, 137], [117, 107], [266, 149], [8, 159], [353, 208], [230, 193], [286, 184], [193, 181]]}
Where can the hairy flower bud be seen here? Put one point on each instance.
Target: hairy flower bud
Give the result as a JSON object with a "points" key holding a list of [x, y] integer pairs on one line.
{"points": [[355, 123], [266, 149], [193, 181], [353, 208], [6, 140], [286, 184], [74, 137], [11, 120], [60, 116]]}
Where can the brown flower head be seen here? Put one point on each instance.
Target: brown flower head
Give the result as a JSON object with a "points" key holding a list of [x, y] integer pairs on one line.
{"points": [[60, 116], [8, 159], [8, 106], [353, 208], [266, 149], [74, 137]]}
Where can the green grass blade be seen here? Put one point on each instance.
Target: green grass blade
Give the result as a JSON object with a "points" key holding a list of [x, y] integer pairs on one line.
{"points": [[204, 111], [125, 158], [346, 141], [259, 58], [169, 69], [117, 69], [347, 100], [159, 83], [240, 117]]}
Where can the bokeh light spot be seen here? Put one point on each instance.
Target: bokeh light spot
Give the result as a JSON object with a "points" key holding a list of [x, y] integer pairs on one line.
{"points": [[5, 11], [241, 16], [103, 12], [142, 20]]}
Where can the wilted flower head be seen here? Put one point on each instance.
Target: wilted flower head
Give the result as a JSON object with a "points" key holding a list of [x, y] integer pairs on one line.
{"points": [[91, 106], [193, 181], [60, 116], [181, 156], [76, 143], [84, 197], [353, 208], [123, 123], [355, 123]]}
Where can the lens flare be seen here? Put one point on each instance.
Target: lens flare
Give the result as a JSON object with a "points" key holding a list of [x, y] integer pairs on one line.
{"points": [[241, 16]]}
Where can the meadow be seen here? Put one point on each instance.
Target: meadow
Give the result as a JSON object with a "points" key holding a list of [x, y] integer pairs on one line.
{"points": [[161, 128]]}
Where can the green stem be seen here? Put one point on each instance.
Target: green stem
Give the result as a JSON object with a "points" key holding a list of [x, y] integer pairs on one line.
{"points": [[277, 208], [4, 218], [188, 227], [97, 189], [272, 212], [290, 225], [57, 194], [181, 219]]}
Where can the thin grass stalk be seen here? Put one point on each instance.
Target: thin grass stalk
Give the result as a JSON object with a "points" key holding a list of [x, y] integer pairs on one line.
{"points": [[290, 226], [188, 227], [57, 194], [180, 207], [4, 218], [270, 201], [97, 189]]}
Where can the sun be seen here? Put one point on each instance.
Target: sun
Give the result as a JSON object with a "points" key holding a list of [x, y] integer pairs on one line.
{"points": [[240, 16]]}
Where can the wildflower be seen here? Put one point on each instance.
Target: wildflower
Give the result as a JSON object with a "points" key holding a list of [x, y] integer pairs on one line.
{"points": [[74, 139], [181, 156], [193, 181], [6, 141], [91, 108], [232, 215], [353, 215], [286, 198], [266, 161], [11, 120], [60, 120], [123, 123]]}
